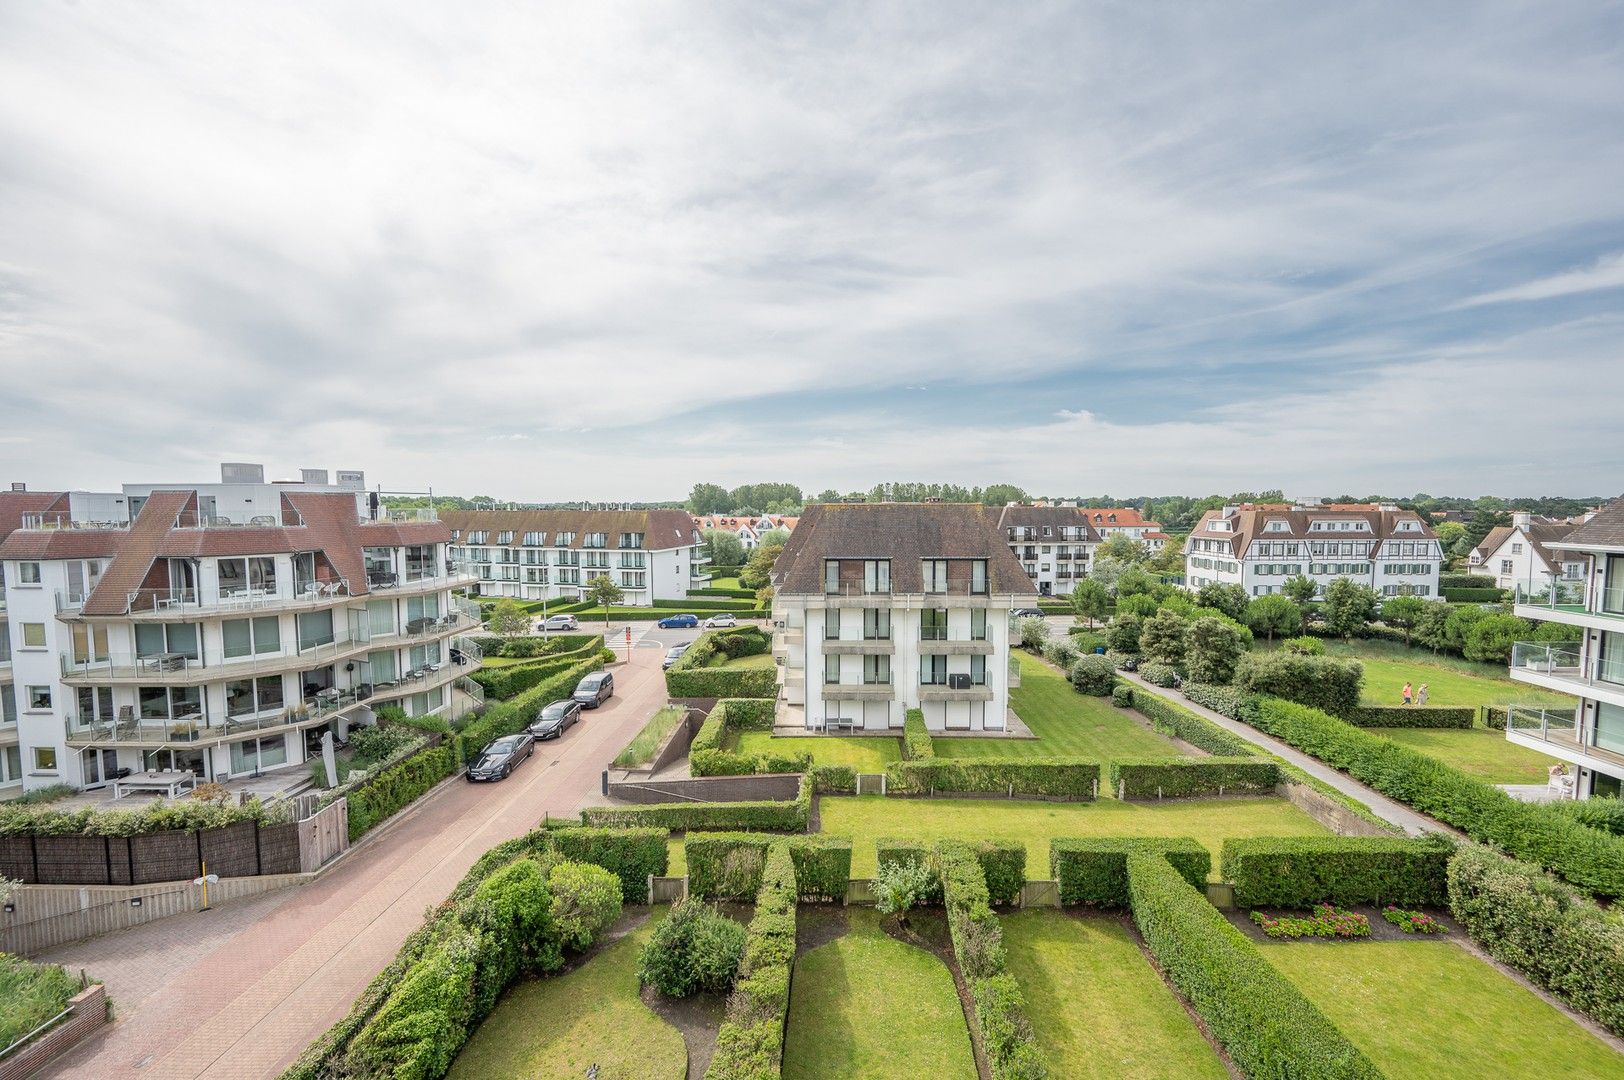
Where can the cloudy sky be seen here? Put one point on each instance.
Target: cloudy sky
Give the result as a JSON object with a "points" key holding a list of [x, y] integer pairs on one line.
{"points": [[603, 250]]}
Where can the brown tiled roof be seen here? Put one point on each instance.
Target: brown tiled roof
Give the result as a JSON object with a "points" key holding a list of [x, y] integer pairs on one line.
{"points": [[1035, 517], [14, 504], [905, 533], [1493, 539], [1548, 538], [135, 555], [1606, 529], [1248, 523], [62, 544], [660, 528], [1126, 516]]}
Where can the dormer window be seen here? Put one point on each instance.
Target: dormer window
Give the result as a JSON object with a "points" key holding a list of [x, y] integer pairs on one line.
{"points": [[477, 536], [535, 539], [505, 537], [564, 539]]}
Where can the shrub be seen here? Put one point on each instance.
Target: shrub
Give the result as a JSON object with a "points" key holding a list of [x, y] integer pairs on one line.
{"points": [[1303, 646], [631, 854], [1092, 675], [504, 683], [1065, 778], [916, 740], [1094, 870], [585, 902], [1295, 872], [1545, 929], [890, 851], [833, 779], [378, 797], [750, 1044], [768, 815], [1322, 682], [1466, 581], [186, 814], [1123, 635], [693, 949], [1171, 718], [1157, 674], [1122, 696], [1265, 1023], [1223, 700], [34, 993], [418, 1028], [1032, 631], [1182, 778], [1586, 857], [1161, 638], [901, 886], [1410, 716], [706, 757], [1086, 640], [1212, 648], [1326, 922], [1413, 922], [689, 677], [1596, 812], [1061, 652], [512, 913], [1472, 596]]}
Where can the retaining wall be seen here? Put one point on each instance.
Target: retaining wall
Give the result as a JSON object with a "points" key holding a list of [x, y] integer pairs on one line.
{"points": [[89, 1009], [777, 786]]}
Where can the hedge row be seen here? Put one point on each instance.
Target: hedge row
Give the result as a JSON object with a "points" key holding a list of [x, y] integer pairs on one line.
{"points": [[1545, 929], [1298, 872], [978, 946], [1094, 870], [737, 594], [512, 716], [502, 683], [1324, 682], [916, 740], [1472, 596], [23, 819], [690, 678], [380, 796], [767, 815], [412, 1018], [1182, 778], [1270, 1029], [708, 757], [750, 1044], [1538, 834], [1465, 581], [729, 866], [1410, 716], [1072, 779], [833, 779]]}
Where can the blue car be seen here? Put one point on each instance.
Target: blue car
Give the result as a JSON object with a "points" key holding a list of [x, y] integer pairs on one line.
{"points": [[675, 622]]}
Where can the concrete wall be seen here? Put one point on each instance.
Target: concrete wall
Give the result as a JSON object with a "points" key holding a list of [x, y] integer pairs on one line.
{"points": [[777, 786], [1330, 813], [89, 1012]]}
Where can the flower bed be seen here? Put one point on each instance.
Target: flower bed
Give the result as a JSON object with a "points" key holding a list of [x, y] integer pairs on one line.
{"points": [[1412, 922], [1326, 922]]}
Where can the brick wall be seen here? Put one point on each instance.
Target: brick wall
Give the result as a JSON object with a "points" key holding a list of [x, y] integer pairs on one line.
{"points": [[89, 1009]]}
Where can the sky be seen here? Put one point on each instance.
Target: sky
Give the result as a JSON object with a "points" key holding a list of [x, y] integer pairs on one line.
{"points": [[605, 251]]}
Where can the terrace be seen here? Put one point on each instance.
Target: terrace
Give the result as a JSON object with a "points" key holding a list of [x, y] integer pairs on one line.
{"points": [[1567, 600], [1564, 733], [1565, 666]]}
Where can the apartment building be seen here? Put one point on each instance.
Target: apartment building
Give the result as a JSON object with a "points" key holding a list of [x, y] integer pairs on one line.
{"points": [[749, 530], [1054, 544], [1259, 546], [879, 608], [1110, 521], [1589, 736], [1527, 550], [552, 554], [217, 629]]}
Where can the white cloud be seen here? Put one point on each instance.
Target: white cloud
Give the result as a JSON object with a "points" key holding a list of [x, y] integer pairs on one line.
{"points": [[1606, 273]]}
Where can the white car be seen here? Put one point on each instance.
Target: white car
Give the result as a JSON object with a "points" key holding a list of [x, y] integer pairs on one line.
{"points": [[558, 622], [724, 619]]}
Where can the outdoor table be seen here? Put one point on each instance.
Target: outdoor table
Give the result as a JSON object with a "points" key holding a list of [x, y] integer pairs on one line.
{"points": [[170, 783]]}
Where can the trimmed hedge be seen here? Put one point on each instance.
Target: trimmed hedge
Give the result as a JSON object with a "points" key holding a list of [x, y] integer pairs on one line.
{"points": [[690, 678], [750, 1044], [707, 757], [833, 779], [512, 716], [1301, 871], [632, 855], [728, 866], [1182, 778], [1323, 682], [1122, 696], [978, 946], [25, 819], [1544, 928], [766, 815], [916, 741], [1270, 1029], [1410, 716], [1064, 778], [711, 590], [1093, 870], [1163, 675], [1472, 596], [502, 683], [378, 797], [1465, 581], [1587, 857]]}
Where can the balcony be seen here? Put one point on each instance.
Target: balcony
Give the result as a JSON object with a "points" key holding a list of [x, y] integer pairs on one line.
{"points": [[1563, 666], [943, 692], [867, 690], [1562, 734], [789, 642], [859, 646], [955, 647], [1563, 600]]}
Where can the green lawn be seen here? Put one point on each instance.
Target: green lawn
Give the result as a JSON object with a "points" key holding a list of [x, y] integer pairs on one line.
{"points": [[644, 745], [1481, 752], [1100, 1011], [868, 1006], [1451, 681], [30, 994], [1065, 722], [590, 1016], [720, 583], [763, 660], [865, 753], [866, 818], [1429, 1009]]}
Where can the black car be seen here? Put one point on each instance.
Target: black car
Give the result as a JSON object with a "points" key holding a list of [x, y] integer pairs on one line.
{"points": [[551, 721], [674, 653], [498, 759], [595, 689], [1026, 612]]}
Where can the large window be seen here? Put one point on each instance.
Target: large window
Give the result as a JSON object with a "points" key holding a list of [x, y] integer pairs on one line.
{"points": [[245, 697], [250, 637], [1610, 727], [831, 575], [978, 670], [877, 575], [934, 574], [1612, 593], [933, 624], [876, 669], [876, 624], [170, 702], [8, 704], [89, 643], [831, 669], [380, 618], [258, 754], [315, 629], [978, 576], [95, 703], [978, 624], [831, 624], [933, 671], [595, 540], [155, 639], [240, 576]]}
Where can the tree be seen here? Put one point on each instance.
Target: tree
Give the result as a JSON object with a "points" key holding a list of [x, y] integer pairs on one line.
{"points": [[1089, 600], [779, 537], [1167, 559], [1212, 648], [1033, 632], [1142, 604], [1431, 626], [758, 570], [709, 499], [1403, 612], [508, 618], [1227, 597], [1349, 607], [603, 590], [1274, 613], [1002, 494], [1449, 533], [1300, 589], [1123, 635], [724, 548], [1458, 626], [1491, 638], [1162, 637], [1137, 581], [1121, 546]]}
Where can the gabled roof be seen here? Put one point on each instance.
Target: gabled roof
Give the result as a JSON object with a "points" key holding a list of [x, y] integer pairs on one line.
{"points": [[1248, 523], [660, 528], [1548, 539], [1605, 530], [905, 533], [14, 504], [1021, 516]]}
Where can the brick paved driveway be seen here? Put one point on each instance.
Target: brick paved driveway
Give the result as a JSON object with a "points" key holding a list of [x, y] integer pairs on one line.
{"points": [[241, 990]]}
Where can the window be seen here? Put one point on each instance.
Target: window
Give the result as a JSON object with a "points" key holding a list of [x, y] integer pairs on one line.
{"points": [[831, 669], [152, 639], [877, 575], [170, 703], [505, 536], [535, 539], [33, 635], [8, 704], [1505, 566], [978, 624], [14, 763], [38, 697], [831, 624], [633, 579], [1516, 549], [239, 576], [876, 624], [978, 670], [244, 697], [477, 536], [978, 577], [45, 758], [934, 574], [28, 573], [89, 643], [316, 628], [933, 624], [249, 637], [933, 671], [876, 670], [258, 754], [631, 540], [564, 540], [596, 540]]}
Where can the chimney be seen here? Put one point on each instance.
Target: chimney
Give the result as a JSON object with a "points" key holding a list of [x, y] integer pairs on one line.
{"points": [[1520, 518], [18, 485]]}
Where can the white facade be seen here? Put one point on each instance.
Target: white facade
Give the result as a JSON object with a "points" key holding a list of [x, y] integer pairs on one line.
{"points": [[1525, 551]]}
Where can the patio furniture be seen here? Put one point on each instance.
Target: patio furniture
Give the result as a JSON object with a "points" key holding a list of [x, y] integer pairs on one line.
{"points": [[168, 661], [311, 590], [169, 783]]}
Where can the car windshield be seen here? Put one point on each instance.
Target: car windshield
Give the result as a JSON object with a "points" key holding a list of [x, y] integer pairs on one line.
{"points": [[592, 682], [502, 747], [555, 710]]}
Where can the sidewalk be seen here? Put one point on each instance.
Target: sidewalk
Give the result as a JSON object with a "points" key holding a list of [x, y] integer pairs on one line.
{"points": [[1387, 809]]}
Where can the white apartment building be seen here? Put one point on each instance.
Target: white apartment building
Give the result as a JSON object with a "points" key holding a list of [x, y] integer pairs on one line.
{"points": [[1259, 546], [1590, 736], [1054, 544], [217, 629], [879, 608], [1528, 549], [552, 554], [1110, 521]]}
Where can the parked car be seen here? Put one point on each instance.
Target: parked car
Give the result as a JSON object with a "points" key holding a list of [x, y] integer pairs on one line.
{"points": [[674, 653], [594, 690], [498, 760], [721, 619], [1026, 612], [678, 622], [558, 622], [552, 721]]}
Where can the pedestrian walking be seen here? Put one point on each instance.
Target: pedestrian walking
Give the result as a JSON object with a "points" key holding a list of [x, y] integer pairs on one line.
{"points": [[1407, 693], [1421, 695]]}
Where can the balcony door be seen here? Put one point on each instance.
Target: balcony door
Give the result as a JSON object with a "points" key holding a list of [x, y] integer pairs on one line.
{"points": [[1612, 593]]}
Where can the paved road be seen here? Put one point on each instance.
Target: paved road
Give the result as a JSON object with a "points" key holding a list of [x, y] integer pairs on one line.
{"points": [[241, 990]]}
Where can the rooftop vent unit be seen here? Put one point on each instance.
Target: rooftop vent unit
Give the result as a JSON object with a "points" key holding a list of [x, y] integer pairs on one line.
{"points": [[352, 479], [17, 485], [314, 477], [241, 472]]}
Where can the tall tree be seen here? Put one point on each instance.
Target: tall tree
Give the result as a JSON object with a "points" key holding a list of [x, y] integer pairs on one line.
{"points": [[757, 571], [724, 548], [1090, 600], [1274, 613], [709, 499], [603, 591], [1403, 613], [1349, 607], [508, 618]]}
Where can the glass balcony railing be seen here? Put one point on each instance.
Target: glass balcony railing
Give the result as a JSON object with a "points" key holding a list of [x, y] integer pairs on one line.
{"points": [[1565, 660]]}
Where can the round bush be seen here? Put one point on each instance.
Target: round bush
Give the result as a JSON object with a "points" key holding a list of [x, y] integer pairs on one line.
{"points": [[696, 948], [1093, 674], [586, 902], [1060, 652], [1033, 631], [1159, 674], [1304, 646], [1122, 696]]}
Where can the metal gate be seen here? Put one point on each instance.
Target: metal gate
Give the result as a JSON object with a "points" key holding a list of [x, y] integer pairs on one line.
{"points": [[871, 783]]}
